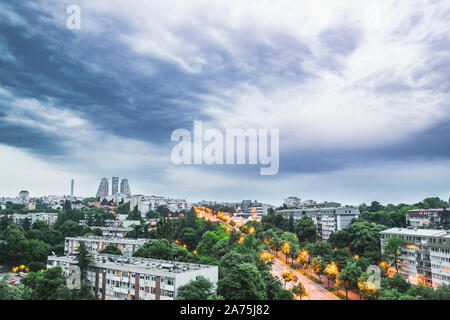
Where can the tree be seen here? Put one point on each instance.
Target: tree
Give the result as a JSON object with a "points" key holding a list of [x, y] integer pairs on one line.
{"points": [[70, 229], [375, 206], [392, 251], [199, 289], [155, 249], [299, 290], [288, 276], [164, 229], [422, 292], [97, 232], [317, 266], [18, 250], [189, 237], [163, 211], [26, 224], [348, 277], [51, 285], [84, 259], [151, 215], [205, 246], [332, 271], [306, 230], [112, 249], [443, 292], [445, 218], [232, 258], [242, 282], [290, 226], [123, 208], [399, 283], [134, 215], [367, 289]]}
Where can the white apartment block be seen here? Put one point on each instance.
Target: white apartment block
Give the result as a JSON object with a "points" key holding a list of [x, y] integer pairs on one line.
{"points": [[293, 202], [48, 217], [115, 232], [147, 203], [114, 223], [423, 217], [425, 254], [327, 220], [96, 244], [124, 278]]}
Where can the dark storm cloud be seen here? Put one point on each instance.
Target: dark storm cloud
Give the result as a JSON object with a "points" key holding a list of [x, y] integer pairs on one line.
{"points": [[145, 97], [100, 77]]}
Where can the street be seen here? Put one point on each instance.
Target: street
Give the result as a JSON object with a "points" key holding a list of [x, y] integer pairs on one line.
{"points": [[315, 291]]}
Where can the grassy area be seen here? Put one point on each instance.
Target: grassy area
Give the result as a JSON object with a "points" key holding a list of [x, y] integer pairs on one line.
{"points": [[337, 293]]}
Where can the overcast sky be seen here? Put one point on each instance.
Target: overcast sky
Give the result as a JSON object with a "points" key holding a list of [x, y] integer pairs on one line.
{"points": [[358, 89]]}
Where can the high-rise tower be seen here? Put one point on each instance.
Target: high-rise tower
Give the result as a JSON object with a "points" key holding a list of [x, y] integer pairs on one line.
{"points": [[102, 191], [125, 187], [115, 185], [71, 187]]}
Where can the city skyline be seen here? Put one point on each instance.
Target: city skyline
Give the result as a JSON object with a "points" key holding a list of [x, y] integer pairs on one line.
{"points": [[360, 97]]}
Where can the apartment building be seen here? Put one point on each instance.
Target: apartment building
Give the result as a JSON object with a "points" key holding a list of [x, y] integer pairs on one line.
{"points": [[328, 220], [47, 217], [425, 254], [97, 244], [130, 278], [115, 232], [292, 202], [423, 217]]}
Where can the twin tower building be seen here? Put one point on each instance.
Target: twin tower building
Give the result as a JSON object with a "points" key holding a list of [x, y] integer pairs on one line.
{"points": [[103, 188]]}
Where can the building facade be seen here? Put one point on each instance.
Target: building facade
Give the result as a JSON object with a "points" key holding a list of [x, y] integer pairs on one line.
{"points": [[103, 189], [327, 220], [114, 185], [423, 217], [24, 196], [115, 231], [293, 202], [121, 278], [47, 217], [125, 187], [425, 254], [97, 244]]}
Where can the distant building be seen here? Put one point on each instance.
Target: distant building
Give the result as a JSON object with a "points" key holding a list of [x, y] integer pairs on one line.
{"points": [[147, 203], [115, 277], [115, 231], [292, 202], [114, 185], [425, 254], [328, 220], [47, 217], [125, 187], [24, 196], [71, 187], [96, 244], [423, 217], [103, 188]]}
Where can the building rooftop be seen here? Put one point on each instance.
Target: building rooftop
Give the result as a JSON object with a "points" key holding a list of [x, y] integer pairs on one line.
{"points": [[110, 239], [135, 264], [417, 232], [115, 229], [425, 210]]}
